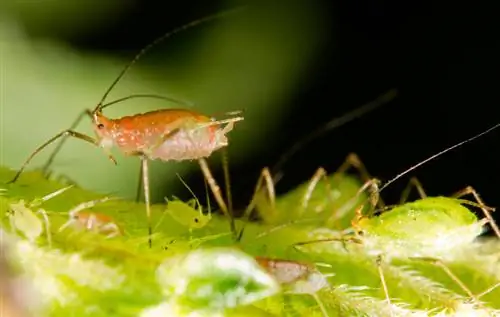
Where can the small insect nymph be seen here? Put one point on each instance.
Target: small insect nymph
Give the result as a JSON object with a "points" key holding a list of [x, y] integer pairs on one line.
{"points": [[23, 219], [91, 221]]}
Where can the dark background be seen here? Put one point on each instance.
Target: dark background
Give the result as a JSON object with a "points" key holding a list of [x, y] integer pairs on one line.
{"points": [[442, 58]]}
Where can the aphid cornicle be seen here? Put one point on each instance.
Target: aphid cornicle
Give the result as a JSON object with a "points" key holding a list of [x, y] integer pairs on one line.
{"points": [[168, 134]]}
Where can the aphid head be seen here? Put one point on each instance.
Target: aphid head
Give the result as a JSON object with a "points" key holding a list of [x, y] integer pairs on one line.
{"points": [[103, 128]]}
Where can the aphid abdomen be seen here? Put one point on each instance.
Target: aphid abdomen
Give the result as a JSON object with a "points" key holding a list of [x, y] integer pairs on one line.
{"points": [[188, 144]]}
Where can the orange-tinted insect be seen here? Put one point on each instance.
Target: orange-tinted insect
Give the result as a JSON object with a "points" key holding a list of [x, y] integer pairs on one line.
{"points": [[303, 277], [168, 134], [91, 221]]}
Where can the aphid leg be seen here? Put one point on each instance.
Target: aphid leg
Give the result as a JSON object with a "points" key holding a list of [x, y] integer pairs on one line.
{"points": [[342, 239], [353, 161], [448, 272], [469, 190], [488, 290], [139, 186], [372, 185], [50, 160], [319, 174], [145, 182], [217, 193], [413, 183], [227, 179], [92, 224], [113, 227], [47, 226], [265, 179], [382, 280], [320, 304], [65, 133]]}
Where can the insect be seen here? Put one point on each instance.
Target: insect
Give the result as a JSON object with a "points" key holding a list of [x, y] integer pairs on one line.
{"points": [[168, 134], [23, 219], [298, 277], [428, 229], [91, 221], [190, 213]]}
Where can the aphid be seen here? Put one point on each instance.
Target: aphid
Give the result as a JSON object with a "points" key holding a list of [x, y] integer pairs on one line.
{"points": [[91, 221], [297, 277], [168, 134], [427, 229], [23, 219], [189, 214]]}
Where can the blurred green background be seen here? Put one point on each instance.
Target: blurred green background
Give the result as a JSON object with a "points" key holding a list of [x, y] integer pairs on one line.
{"points": [[252, 60]]}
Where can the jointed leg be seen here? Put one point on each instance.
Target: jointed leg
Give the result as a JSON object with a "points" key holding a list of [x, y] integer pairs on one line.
{"points": [[382, 280], [319, 174], [470, 190], [139, 186], [353, 161], [47, 226], [83, 114], [217, 193], [373, 185], [145, 182], [413, 183], [227, 180], [265, 179], [64, 133], [488, 290], [448, 272], [113, 227]]}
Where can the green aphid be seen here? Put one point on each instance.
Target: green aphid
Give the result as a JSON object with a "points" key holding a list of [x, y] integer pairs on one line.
{"points": [[189, 214], [427, 227], [23, 218], [430, 229]]}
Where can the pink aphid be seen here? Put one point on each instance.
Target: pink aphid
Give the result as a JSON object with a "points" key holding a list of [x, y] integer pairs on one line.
{"points": [[91, 221]]}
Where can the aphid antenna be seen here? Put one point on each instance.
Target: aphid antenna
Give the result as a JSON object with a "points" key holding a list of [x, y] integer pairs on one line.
{"points": [[189, 189], [160, 39], [432, 157], [337, 122], [150, 96]]}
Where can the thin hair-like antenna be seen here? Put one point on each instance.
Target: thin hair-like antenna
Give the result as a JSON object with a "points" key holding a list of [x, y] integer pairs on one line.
{"points": [[154, 43], [332, 124], [151, 96], [430, 158], [188, 188]]}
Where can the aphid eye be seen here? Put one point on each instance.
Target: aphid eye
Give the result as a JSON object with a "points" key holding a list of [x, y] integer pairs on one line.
{"points": [[100, 126], [196, 220]]}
